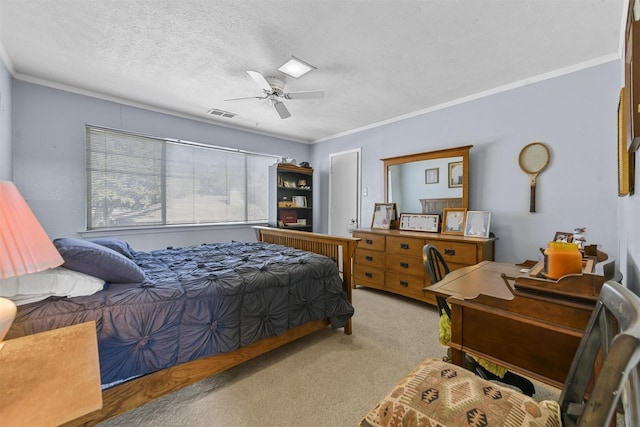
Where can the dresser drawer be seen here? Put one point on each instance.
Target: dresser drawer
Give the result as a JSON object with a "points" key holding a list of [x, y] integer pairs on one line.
{"points": [[405, 264], [405, 246], [372, 242], [391, 260], [404, 284], [456, 252], [367, 275], [366, 257]]}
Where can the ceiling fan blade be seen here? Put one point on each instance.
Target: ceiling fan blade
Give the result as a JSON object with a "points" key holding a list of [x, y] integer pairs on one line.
{"points": [[304, 95], [262, 82], [281, 109], [246, 98]]}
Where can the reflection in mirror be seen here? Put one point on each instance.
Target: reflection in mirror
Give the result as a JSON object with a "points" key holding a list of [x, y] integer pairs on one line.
{"points": [[428, 182], [408, 183]]}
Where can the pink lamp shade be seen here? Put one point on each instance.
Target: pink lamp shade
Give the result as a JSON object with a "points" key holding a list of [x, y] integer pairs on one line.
{"points": [[24, 246]]}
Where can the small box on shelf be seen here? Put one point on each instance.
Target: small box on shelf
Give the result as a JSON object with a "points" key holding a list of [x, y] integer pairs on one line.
{"points": [[289, 216]]}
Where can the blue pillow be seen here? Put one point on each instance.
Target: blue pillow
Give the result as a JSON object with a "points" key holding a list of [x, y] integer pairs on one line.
{"points": [[98, 261], [119, 246]]}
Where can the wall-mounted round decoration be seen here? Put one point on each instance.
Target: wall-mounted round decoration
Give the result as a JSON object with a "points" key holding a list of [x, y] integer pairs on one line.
{"points": [[533, 159]]}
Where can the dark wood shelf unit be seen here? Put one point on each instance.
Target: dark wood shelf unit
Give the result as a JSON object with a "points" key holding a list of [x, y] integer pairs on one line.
{"points": [[291, 197]]}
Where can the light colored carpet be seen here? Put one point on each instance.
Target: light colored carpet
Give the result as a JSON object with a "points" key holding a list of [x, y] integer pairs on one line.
{"points": [[325, 379]]}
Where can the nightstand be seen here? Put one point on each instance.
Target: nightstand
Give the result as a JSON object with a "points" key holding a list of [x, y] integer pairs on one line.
{"points": [[50, 378]]}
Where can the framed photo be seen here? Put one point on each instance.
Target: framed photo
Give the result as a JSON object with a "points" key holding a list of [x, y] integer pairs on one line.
{"points": [[420, 222], [453, 220], [477, 223], [432, 176], [626, 166], [383, 214], [563, 236], [455, 174]]}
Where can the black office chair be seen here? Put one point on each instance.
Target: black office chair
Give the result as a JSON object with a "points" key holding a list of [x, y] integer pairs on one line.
{"points": [[436, 268]]}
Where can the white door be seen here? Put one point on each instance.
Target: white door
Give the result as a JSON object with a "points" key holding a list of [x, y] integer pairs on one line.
{"points": [[344, 193]]}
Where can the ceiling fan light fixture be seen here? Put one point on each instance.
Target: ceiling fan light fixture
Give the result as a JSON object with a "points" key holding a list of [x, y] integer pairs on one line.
{"points": [[296, 67]]}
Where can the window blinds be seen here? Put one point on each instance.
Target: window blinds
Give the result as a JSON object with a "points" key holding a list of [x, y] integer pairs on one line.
{"points": [[135, 180]]}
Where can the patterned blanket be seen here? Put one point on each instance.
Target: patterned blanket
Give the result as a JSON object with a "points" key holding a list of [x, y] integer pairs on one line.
{"points": [[197, 301]]}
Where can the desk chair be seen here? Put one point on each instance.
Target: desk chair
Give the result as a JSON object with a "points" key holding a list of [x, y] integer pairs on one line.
{"points": [[436, 268], [604, 379]]}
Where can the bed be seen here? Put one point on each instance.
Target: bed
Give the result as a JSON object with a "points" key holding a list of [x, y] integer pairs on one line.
{"points": [[198, 310]]}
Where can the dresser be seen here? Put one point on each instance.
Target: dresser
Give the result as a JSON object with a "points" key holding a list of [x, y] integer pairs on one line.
{"points": [[391, 260]]}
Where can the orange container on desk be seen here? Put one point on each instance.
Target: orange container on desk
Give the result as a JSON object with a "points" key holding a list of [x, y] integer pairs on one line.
{"points": [[562, 259]]}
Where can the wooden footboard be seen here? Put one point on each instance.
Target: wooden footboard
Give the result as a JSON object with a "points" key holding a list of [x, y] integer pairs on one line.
{"points": [[132, 394]]}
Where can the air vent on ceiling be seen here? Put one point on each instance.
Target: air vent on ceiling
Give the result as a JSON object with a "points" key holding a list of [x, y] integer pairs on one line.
{"points": [[221, 113]]}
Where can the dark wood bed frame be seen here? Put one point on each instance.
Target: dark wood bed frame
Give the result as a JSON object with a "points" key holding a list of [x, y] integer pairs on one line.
{"points": [[132, 394]]}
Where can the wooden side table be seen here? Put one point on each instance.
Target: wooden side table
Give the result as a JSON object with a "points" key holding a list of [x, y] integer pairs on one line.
{"points": [[50, 378]]}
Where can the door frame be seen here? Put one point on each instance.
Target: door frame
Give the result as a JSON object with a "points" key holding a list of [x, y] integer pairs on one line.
{"points": [[358, 151]]}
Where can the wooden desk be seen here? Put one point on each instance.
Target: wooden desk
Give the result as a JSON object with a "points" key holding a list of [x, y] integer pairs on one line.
{"points": [[470, 282], [50, 378], [531, 334]]}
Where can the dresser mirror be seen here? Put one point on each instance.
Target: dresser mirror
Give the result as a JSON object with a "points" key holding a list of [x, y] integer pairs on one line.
{"points": [[428, 182]]}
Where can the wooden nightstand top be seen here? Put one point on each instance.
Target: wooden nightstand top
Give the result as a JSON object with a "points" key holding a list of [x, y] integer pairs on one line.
{"points": [[50, 378]]}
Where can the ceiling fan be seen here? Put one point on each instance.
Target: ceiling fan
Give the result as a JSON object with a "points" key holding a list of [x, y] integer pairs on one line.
{"points": [[273, 89]]}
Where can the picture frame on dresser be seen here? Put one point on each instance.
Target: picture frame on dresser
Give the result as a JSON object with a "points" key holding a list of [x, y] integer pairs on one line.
{"points": [[383, 214], [477, 224], [563, 236], [420, 222], [453, 220]]}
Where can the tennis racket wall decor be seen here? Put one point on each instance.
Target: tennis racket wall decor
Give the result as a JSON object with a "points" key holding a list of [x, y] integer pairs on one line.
{"points": [[533, 159]]}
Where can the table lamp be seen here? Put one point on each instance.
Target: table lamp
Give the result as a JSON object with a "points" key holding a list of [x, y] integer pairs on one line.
{"points": [[24, 247]]}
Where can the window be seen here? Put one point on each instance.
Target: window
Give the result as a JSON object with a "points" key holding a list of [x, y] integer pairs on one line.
{"points": [[135, 180]]}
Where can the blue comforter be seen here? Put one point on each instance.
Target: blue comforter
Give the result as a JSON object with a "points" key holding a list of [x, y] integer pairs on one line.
{"points": [[197, 301]]}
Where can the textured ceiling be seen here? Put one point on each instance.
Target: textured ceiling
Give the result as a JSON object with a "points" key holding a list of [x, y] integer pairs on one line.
{"points": [[377, 61]]}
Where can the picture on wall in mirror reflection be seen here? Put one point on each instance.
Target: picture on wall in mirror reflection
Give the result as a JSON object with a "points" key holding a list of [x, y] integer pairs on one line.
{"points": [[432, 176], [455, 174], [477, 224]]}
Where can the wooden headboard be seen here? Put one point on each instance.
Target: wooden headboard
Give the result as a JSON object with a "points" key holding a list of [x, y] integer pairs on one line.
{"points": [[436, 206]]}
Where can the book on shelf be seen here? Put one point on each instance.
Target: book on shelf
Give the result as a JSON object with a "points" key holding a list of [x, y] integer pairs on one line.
{"points": [[289, 216]]}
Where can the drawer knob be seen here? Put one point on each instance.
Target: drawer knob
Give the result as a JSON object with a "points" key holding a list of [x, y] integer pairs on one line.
{"points": [[369, 258], [450, 252], [369, 275], [404, 264], [369, 242], [404, 284], [404, 246]]}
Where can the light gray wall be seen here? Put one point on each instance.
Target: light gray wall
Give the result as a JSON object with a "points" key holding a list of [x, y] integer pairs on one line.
{"points": [[574, 114], [49, 159], [6, 157]]}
